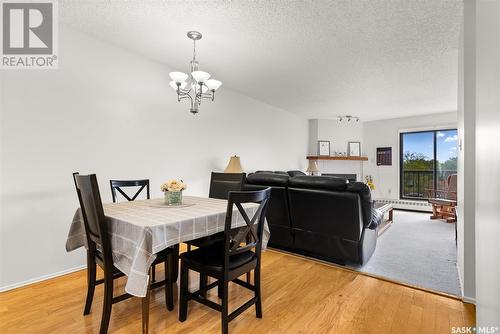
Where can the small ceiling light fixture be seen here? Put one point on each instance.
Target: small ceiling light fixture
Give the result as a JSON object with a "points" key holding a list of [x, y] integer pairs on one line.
{"points": [[349, 118], [196, 86]]}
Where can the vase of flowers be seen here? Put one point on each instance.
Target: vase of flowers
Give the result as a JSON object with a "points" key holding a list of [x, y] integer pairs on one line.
{"points": [[173, 191], [369, 182]]}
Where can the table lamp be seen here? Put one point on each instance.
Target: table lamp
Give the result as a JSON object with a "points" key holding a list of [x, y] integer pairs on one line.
{"points": [[312, 167], [234, 165]]}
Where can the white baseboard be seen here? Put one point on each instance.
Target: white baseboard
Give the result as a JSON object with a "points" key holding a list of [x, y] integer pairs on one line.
{"points": [[469, 300], [41, 278]]}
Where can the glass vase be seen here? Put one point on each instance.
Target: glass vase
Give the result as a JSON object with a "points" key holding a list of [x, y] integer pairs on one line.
{"points": [[173, 197]]}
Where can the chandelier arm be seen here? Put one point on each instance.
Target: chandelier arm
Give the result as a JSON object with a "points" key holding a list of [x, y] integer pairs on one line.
{"points": [[183, 91], [187, 96]]}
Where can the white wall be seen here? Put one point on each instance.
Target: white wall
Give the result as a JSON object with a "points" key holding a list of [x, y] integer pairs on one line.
{"points": [[112, 113], [385, 133], [487, 102], [466, 185], [339, 134]]}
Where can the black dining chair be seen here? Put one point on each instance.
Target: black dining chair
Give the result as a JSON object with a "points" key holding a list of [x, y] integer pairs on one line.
{"points": [[222, 183], [117, 185], [99, 252], [228, 260], [220, 186]]}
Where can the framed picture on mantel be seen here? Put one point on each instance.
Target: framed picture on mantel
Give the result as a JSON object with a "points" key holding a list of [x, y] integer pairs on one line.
{"points": [[354, 148], [323, 148]]}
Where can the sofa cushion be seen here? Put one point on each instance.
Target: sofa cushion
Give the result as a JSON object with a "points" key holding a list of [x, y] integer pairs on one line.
{"points": [[268, 179], [318, 182], [293, 173], [366, 199], [377, 217]]}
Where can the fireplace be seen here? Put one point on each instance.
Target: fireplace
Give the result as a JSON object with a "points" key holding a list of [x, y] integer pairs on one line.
{"points": [[350, 177]]}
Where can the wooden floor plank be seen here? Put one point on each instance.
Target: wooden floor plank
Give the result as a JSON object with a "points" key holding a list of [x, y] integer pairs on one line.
{"points": [[299, 296]]}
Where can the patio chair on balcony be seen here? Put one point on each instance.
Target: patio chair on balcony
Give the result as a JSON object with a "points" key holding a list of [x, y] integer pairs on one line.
{"points": [[444, 201]]}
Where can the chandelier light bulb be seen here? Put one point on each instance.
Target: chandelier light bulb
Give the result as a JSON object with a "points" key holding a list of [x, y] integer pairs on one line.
{"points": [[213, 84], [178, 76], [173, 84], [200, 76]]}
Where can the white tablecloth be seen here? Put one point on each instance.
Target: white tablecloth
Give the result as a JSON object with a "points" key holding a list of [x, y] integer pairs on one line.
{"points": [[140, 229]]}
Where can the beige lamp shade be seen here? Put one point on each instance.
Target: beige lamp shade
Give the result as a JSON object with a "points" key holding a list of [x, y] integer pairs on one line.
{"points": [[234, 165], [313, 167]]}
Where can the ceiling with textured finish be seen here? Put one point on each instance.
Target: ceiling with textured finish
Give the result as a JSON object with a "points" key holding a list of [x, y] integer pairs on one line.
{"points": [[374, 59]]}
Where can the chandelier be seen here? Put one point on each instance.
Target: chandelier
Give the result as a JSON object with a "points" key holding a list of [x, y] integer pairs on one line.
{"points": [[197, 85]]}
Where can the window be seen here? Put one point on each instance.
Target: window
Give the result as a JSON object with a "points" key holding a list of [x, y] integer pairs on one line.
{"points": [[427, 158]]}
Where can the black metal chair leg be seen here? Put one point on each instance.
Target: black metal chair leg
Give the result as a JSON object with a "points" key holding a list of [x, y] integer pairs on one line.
{"points": [[169, 289], [108, 302], [203, 283], [183, 298], [220, 289], [225, 308], [258, 301], [153, 274], [91, 272], [249, 278]]}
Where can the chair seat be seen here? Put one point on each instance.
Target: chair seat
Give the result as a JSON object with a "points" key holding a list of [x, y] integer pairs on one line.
{"points": [[442, 201], [212, 257]]}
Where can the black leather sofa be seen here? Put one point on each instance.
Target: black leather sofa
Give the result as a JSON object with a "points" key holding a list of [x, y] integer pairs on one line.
{"points": [[278, 211], [319, 216]]}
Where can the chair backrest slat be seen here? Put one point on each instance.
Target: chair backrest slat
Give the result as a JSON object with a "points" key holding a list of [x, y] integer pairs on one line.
{"points": [[117, 185], [250, 236], [93, 216], [222, 183], [90, 242]]}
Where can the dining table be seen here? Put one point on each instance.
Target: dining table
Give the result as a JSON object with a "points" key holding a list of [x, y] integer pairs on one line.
{"points": [[140, 229]]}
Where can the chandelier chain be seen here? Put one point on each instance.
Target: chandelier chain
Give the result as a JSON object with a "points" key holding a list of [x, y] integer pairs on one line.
{"points": [[194, 50]]}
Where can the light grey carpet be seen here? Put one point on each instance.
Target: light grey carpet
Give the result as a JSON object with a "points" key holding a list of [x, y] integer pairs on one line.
{"points": [[418, 251]]}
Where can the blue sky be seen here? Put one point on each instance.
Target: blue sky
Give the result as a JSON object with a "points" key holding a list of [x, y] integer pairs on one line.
{"points": [[422, 142]]}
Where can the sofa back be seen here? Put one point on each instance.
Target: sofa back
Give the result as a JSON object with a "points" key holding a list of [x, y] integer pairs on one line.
{"points": [[323, 205], [278, 213]]}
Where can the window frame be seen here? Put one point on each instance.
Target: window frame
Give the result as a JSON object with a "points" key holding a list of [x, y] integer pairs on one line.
{"points": [[434, 169]]}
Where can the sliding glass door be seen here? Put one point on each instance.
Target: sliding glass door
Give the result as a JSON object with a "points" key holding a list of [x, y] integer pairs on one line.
{"points": [[427, 158]]}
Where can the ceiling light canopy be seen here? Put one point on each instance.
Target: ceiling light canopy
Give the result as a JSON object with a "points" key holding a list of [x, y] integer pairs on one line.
{"points": [[196, 86], [348, 118]]}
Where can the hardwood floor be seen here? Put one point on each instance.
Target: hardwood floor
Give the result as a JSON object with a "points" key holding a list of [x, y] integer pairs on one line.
{"points": [[299, 296]]}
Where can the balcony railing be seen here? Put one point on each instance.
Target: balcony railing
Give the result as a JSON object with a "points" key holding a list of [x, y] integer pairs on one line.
{"points": [[417, 183]]}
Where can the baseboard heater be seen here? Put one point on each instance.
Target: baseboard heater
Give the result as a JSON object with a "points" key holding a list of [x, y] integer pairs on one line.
{"points": [[408, 205]]}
